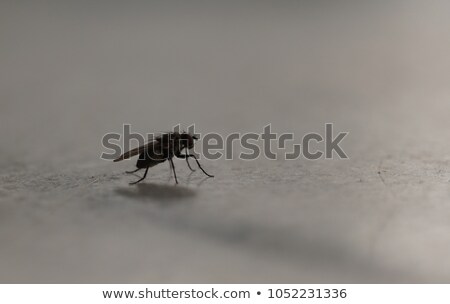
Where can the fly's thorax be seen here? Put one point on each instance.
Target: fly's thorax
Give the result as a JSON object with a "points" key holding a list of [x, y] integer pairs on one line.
{"points": [[187, 140]]}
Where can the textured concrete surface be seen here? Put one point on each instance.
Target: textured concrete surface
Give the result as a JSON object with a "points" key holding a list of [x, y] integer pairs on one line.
{"points": [[71, 72]]}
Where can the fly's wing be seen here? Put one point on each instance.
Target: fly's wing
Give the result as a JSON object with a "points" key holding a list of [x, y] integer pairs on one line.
{"points": [[136, 151]]}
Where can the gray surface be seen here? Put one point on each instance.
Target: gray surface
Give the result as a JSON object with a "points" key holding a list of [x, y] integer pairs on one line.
{"points": [[72, 72]]}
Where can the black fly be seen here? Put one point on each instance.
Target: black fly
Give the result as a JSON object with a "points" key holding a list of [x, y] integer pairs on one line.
{"points": [[162, 148]]}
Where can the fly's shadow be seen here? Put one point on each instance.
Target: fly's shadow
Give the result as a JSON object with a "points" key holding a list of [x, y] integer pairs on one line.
{"points": [[159, 192]]}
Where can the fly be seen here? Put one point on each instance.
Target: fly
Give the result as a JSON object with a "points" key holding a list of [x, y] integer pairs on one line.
{"points": [[162, 148]]}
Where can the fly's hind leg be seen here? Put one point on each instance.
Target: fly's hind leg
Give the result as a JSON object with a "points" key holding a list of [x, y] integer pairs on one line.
{"points": [[131, 172], [140, 180]]}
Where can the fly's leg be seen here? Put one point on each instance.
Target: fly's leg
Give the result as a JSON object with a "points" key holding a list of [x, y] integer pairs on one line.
{"points": [[131, 172], [173, 168], [145, 175], [187, 161], [198, 163]]}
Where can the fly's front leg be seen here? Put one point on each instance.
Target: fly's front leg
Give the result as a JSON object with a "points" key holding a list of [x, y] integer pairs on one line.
{"points": [[198, 163], [187, 161], [186, 157]]}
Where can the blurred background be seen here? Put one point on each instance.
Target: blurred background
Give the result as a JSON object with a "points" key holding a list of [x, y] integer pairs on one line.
{"points": [[72, 71]]}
